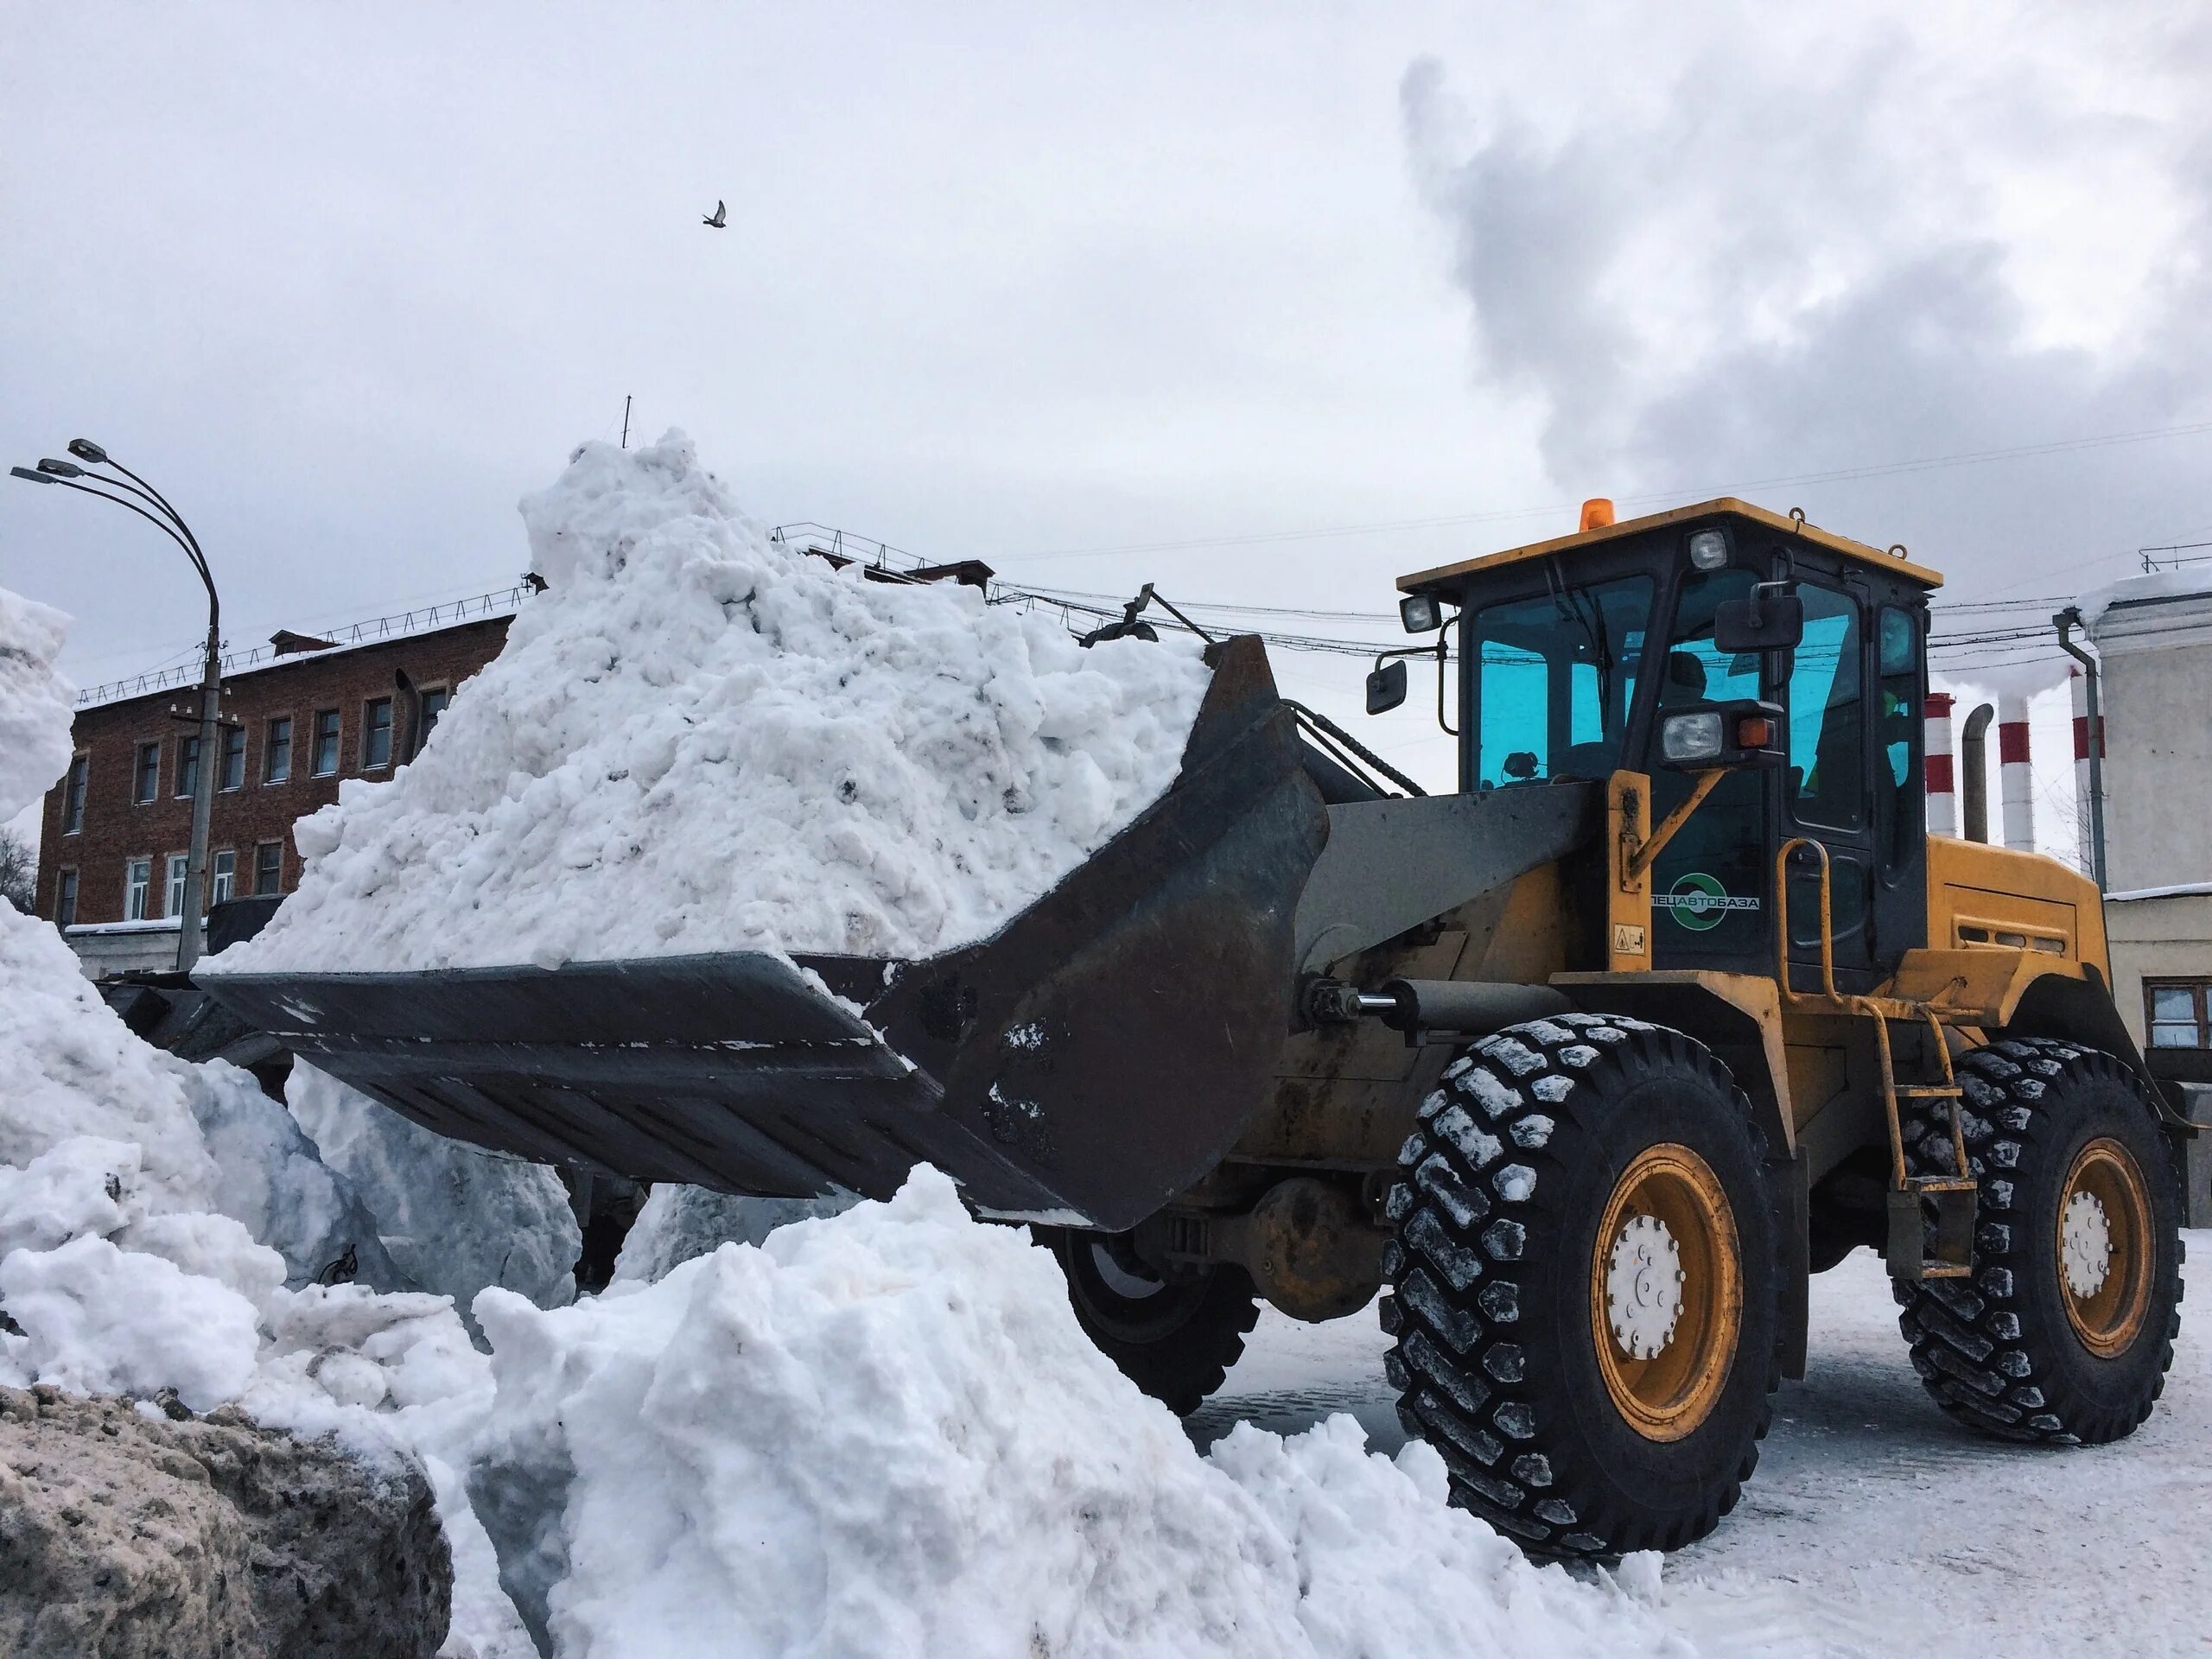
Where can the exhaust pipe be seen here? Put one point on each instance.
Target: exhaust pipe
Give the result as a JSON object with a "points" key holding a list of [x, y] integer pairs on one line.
{"points": [[1974, 792]]}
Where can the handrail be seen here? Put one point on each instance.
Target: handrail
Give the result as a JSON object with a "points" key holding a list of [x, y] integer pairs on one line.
{"points": [[1782, 916]]}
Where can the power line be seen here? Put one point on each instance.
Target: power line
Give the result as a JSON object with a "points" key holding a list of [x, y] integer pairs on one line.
{"points": [[1836, 475]]}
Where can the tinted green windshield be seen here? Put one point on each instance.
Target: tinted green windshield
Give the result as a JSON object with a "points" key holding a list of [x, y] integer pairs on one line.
{"points": [[1555, 677]]}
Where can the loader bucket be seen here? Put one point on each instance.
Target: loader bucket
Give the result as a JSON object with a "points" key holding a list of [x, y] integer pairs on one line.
{"points": [[1092, 1058]]}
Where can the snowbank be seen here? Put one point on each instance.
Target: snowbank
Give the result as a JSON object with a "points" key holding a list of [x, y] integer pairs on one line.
{"points": [[204, 1138], [680, 1222], [160, 1223], [696, 740], [883, 1433], [453, 1218]]}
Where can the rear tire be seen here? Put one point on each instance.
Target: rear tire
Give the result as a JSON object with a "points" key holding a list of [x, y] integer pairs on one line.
{"points": [[2065, 1331], [1585, 1400], [1174, 1338]]}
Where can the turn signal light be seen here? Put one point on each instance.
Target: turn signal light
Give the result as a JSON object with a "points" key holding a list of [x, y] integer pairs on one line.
{"points": [[1754, 731]]}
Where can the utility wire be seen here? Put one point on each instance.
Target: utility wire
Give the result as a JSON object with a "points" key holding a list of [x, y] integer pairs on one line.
{"points": [[1836, 475]]}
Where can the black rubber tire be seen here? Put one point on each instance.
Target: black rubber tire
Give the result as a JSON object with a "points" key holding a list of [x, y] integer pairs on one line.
{"points": [[1504, 1183], [1176, 1343], [1997, 1350]]}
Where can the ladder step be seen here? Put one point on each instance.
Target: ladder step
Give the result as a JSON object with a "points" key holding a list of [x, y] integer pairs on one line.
{"points": [[1932, 1268], [1941, 1184], [1932, 1091]]}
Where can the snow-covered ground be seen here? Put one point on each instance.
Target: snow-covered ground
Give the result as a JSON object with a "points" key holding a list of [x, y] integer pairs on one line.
{"points": [[1875, 1524]]}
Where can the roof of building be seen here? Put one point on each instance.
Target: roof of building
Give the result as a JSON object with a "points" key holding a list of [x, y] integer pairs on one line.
{"points": [[1725, 505], [2179, 890], [2153, 588], [282, 652]]}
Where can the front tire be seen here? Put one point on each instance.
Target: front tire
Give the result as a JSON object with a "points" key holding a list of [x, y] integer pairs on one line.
{"points": [[1175, 1338], [2065, 1331], [1585, 1285]]}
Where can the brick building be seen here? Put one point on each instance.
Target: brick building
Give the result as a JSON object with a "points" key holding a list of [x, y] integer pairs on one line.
{"points": [[300, 717]]}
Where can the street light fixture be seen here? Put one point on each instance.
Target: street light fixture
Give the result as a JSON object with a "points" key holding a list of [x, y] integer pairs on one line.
{"points": [[191, 925]]}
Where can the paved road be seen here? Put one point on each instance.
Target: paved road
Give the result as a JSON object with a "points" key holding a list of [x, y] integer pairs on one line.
{"points": [[1874, 1524]]}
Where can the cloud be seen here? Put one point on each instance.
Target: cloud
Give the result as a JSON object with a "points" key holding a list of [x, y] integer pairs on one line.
{"points": [[1799, 259]]}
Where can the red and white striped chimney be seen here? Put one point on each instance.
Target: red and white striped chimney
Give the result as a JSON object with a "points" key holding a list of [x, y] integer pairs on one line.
{"points": [[1942, 784], [2016, 781], [2079, 685]]}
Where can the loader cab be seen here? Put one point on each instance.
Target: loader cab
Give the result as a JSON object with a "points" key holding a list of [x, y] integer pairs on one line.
{"points": [[1574, 652]]}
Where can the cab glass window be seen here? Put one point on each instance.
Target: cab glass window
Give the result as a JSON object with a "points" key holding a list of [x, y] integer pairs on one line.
{"points": [[1897, 795], [1827, 715], [1694, 671], [1555, 679]]}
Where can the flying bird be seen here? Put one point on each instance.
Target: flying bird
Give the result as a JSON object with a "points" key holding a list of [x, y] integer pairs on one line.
{"points": [[720, 220]]}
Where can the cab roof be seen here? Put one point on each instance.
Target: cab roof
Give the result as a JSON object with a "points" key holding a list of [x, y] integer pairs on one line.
{"points": [[1726, 507]]}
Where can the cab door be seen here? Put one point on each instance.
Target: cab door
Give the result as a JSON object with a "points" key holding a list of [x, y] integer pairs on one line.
{"points": [[1712, 897], [1826, 776]]}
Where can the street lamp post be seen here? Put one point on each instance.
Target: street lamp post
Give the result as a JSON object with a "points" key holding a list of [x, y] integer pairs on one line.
{"points": [[191, 924]]}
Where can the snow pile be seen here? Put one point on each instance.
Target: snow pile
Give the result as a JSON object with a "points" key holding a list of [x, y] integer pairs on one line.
{"points": [[698, 740], [204, 1137], [161, 1222], [453, 1217], [884, 1433], [680, 1222], [35, 701]]}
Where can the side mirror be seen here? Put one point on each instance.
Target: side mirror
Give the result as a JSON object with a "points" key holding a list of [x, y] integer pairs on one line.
{"points": [[1771, 622], [1386, 687], [1706, 735]]}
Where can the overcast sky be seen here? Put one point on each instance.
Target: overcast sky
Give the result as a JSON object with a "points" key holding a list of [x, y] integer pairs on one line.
{"points": [[1029, 283]]}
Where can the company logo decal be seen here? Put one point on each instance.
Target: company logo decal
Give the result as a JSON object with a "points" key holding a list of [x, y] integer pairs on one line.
{"points": [[1698, 902]]}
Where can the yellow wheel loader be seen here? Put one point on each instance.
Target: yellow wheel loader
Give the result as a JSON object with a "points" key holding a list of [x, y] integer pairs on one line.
{"points": [[1587, 1065]]}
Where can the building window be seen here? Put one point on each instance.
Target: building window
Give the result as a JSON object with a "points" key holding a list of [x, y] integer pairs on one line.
{"points": [[277, 752], [2177, 1010], [187, 765], [179, 864], [72, 797], [149, 773], [224, 876], [65, 898], [376, 734], [434, 704], [233, 776], [268, 867], [137, 877], [325, 742]]}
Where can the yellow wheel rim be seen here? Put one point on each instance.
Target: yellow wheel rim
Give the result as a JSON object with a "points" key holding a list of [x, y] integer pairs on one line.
{"points": [[1666, 1292], [2104, 1247]]}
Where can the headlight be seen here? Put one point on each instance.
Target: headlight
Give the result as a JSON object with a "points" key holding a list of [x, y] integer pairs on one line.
{"points": [[1708, 549], [1691, 737], [1420, 613]]}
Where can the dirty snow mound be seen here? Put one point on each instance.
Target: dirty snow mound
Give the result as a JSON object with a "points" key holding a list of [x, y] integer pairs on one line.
{"points": [[884, 1433], [698, 740], [453, 1217], [680, 1222]]}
